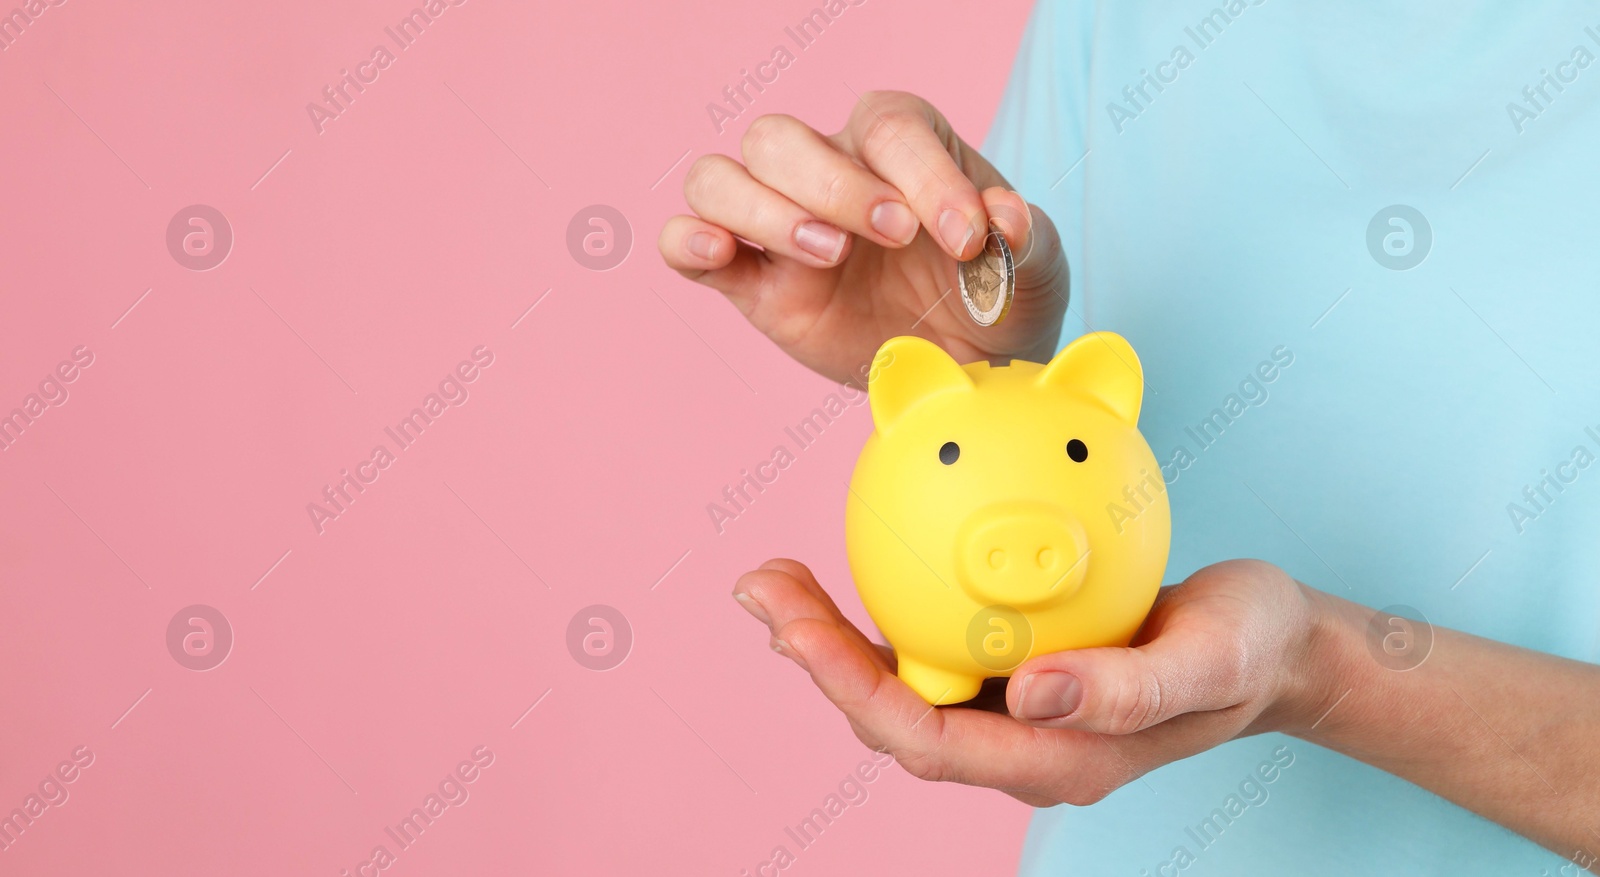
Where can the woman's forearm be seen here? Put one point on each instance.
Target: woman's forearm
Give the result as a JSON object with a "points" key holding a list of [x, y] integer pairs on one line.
{"points": [[1511, 734]]}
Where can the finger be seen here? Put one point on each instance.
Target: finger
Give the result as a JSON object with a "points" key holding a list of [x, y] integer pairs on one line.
{"points": [[949, 744], [908, 144], [711, 255], [776, 596], [804, 576], [1008, 211], [788, 156], [1036, 250], [689, 243], [1122, 691], [1011, 214], [722, 191]]}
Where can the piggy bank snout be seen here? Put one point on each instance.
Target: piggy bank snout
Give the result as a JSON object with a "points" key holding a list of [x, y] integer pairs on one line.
{"points": [[1021, 554]]}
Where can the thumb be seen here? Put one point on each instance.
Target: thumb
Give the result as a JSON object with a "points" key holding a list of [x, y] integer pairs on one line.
{"points": [[1036, 251], [1042, 280], [1125, 690]]}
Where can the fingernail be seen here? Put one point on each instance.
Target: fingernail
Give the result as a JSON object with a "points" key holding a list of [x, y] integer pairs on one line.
{"points": [[1049, 694], [894, 221], [702, 245], [820, 240], [788, 651], [955, 230], [753, 607]]}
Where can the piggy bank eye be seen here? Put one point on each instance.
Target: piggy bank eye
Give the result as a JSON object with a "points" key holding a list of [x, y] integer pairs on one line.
{"points": [[949, 452], [1078, 451]]}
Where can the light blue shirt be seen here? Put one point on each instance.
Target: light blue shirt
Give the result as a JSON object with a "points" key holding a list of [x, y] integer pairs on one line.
{"points": [[1221, 177]]}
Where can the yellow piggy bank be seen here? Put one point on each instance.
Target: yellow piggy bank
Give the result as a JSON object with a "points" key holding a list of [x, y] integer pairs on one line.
{"points": [[997, 513]]}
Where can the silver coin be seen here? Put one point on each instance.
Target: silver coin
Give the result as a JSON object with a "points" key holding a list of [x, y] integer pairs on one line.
{"points": [[989, 281]]}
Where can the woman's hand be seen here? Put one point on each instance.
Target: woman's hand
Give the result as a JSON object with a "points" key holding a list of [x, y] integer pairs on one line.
{"points": [[1225, 654], [856, 238]]}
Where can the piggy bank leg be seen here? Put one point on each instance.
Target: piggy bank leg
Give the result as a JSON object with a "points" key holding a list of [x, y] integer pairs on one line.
{"points": [[936, 685]]}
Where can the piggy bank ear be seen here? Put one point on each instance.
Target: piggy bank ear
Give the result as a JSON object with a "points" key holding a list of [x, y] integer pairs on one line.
{"points": [[906, 371], [1102, 366]]}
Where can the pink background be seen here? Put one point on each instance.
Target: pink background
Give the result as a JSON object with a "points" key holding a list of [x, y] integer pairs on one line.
{"points": [[367, 261]]}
